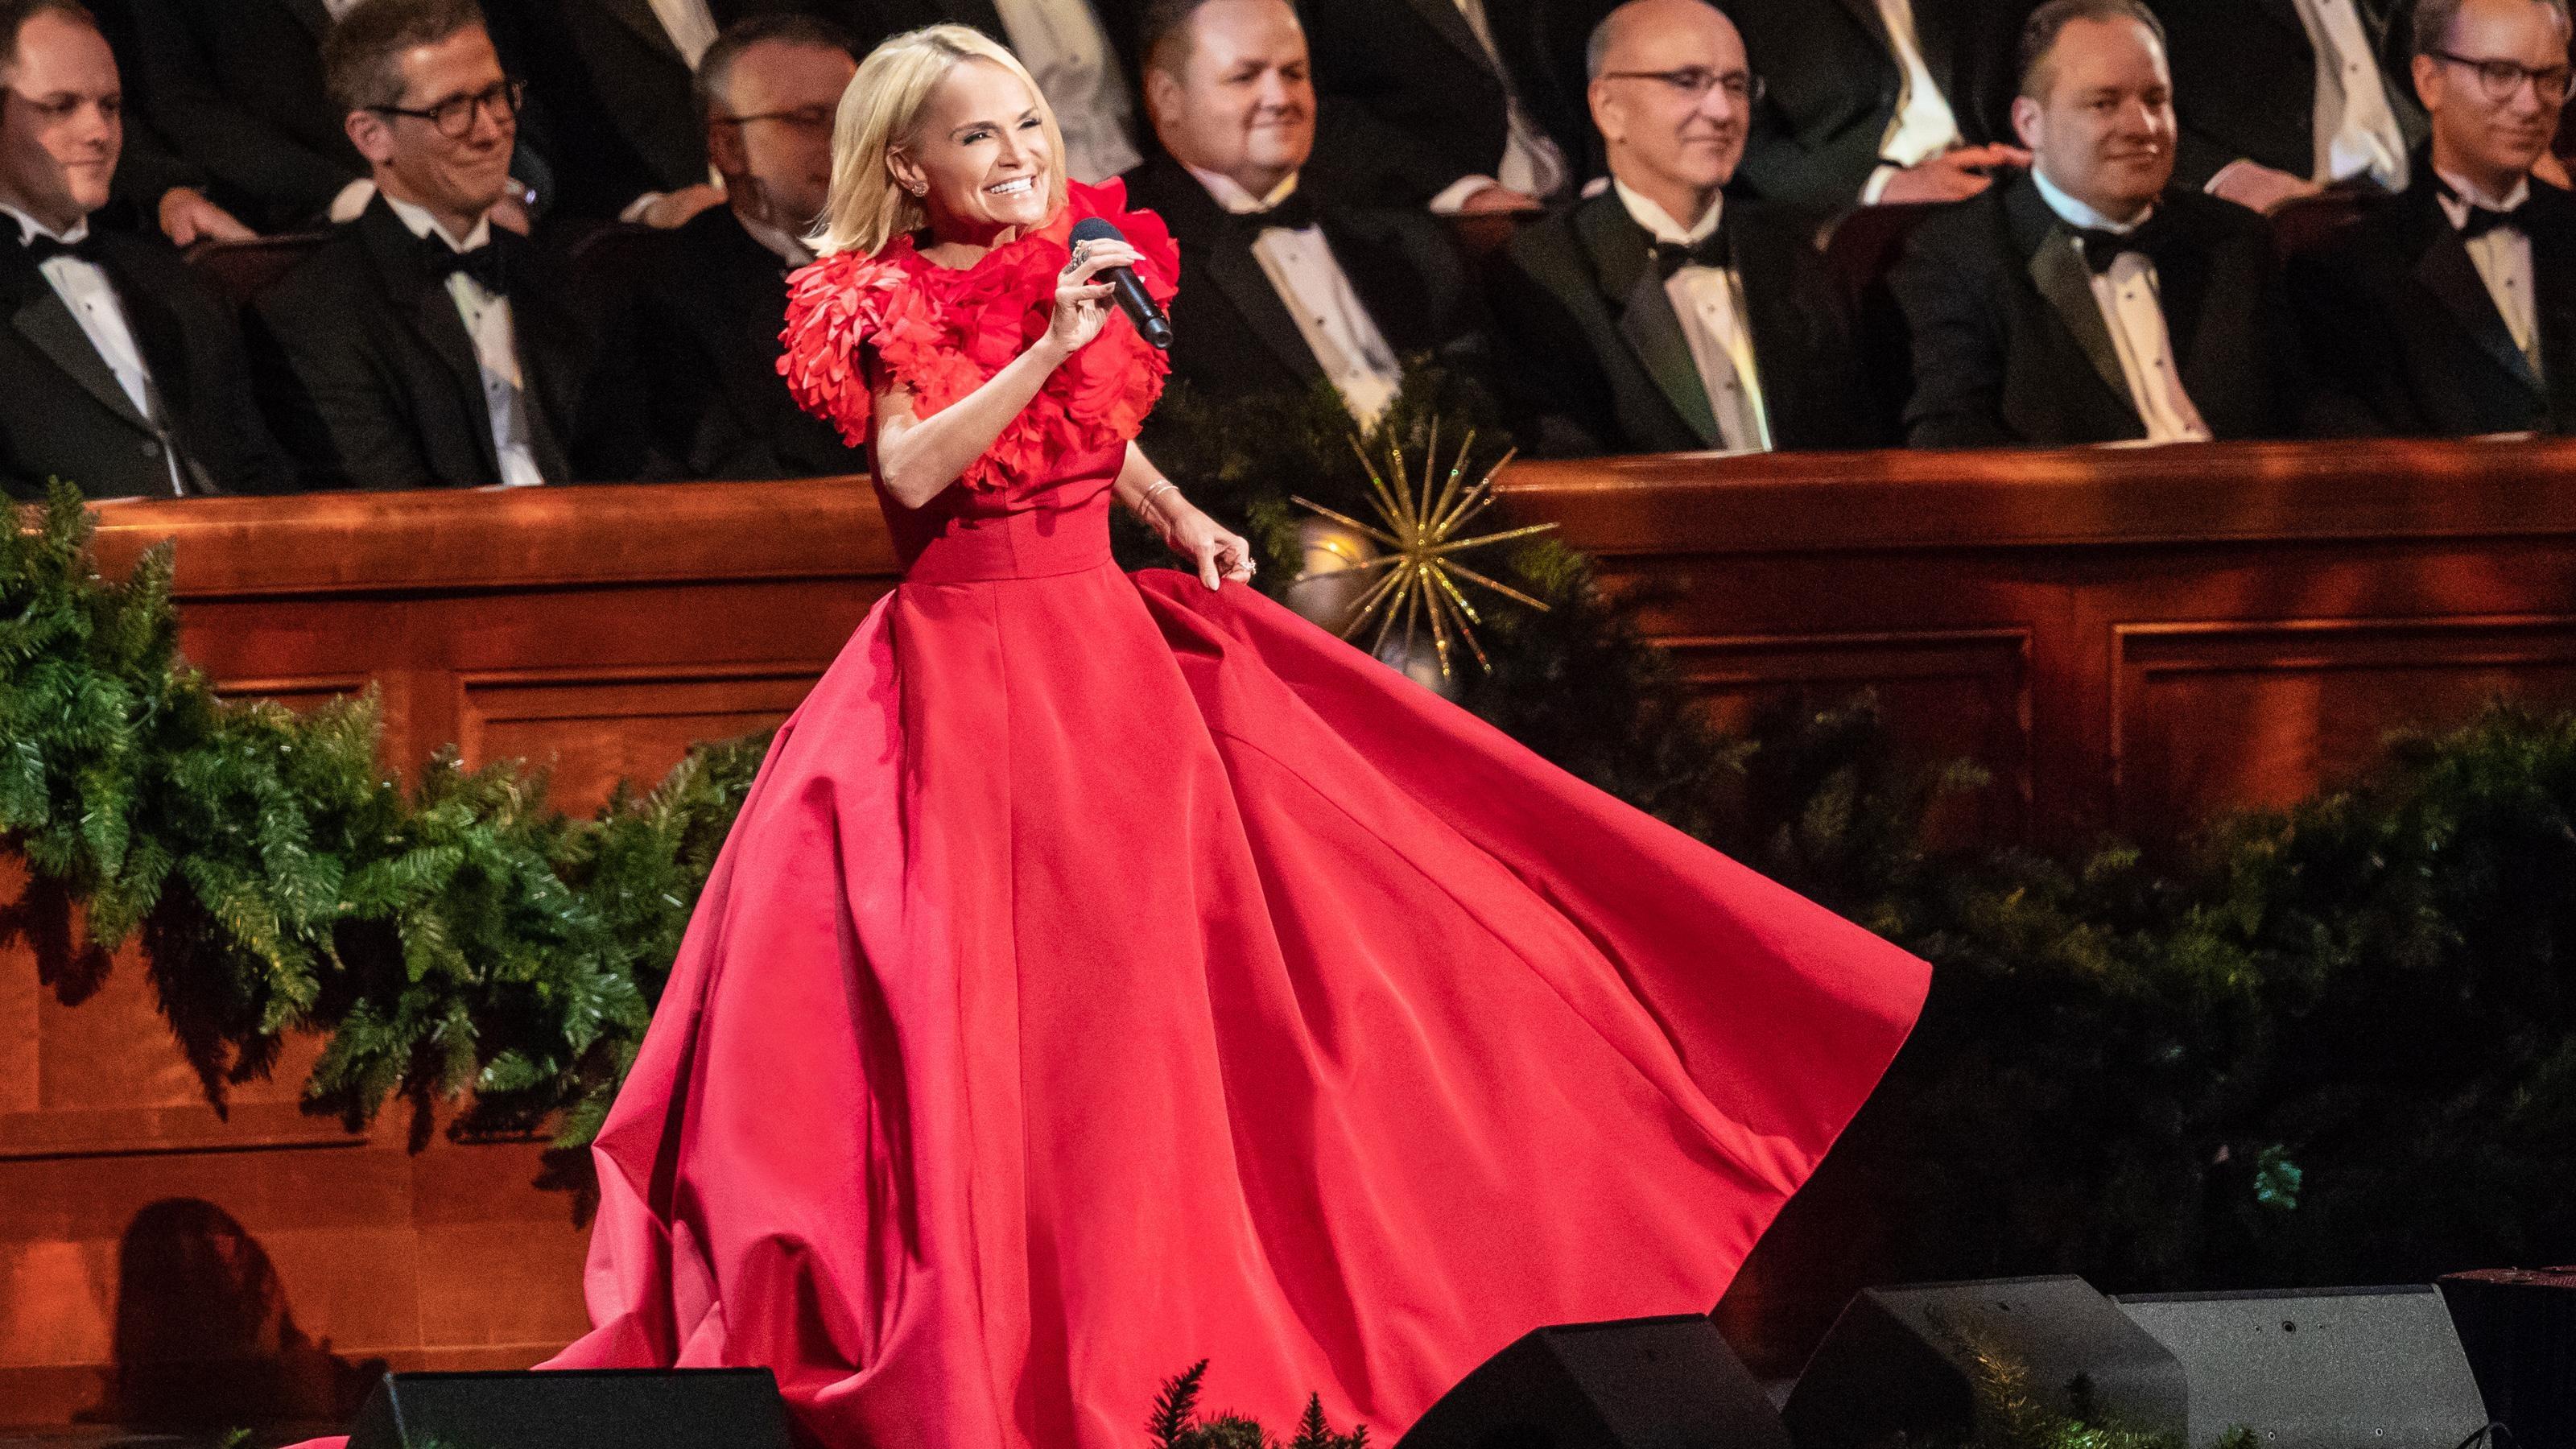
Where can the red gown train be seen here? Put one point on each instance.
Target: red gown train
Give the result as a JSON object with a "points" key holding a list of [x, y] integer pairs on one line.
{"points": [[1107, 973]]}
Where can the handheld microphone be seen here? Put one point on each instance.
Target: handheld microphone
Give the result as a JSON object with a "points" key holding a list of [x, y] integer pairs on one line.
{"points": [[1126, 287]]}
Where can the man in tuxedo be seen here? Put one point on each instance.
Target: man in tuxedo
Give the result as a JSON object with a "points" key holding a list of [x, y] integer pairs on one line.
{"points": [[1878, 100], [2452, 309], [2088, 301], [422, 345], [121, 373], [710, 299], [1283, 284], [1659, 316], [1462, 101], [2283, 98]]}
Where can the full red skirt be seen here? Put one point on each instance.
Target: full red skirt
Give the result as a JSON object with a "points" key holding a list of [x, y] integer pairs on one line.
{"points": [[1106, 974]]}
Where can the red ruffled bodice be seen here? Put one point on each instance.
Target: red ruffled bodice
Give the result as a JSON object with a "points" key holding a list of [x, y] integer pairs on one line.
{"points": [[856, 324]]}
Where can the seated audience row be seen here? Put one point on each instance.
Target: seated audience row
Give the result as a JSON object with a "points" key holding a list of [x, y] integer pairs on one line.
{"points": [[2075, 291]]}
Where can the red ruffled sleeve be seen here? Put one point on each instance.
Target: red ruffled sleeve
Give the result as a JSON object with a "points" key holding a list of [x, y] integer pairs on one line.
{"points": [[941, 332]]}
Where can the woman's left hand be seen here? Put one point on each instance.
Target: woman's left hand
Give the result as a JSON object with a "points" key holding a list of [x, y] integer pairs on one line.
{"points": [[1218, 552]]}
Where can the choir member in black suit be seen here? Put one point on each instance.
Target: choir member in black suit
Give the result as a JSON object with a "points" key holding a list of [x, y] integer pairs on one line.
{"points": [[422, 345], [1283, 283], [2452, 309], [703, 317], [119, 372], [1879, 100], [1472, 104], [1660, 316], [2282, 98], [2089, 302]]}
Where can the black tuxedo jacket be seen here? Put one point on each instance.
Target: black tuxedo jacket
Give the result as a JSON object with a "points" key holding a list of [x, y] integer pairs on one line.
{"points": [[2245, 81], [2010, 347], [236, 85], [369, 375], [1233, 337], [1831, 86], [1601, 354], [1431, 101], [2397, 318], [66, 415], [702, 325]]}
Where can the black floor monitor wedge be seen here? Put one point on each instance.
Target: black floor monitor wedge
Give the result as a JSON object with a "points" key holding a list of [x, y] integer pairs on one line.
{"points": [[2348, 1368], [575, 1409], [1908, 1362], [1638, 1383]]}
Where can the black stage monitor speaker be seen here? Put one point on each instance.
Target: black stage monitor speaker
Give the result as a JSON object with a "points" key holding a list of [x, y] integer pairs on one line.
{"points": [[2320, 1368], [1639, 1383], [1907, 1361], [576, 1409]]}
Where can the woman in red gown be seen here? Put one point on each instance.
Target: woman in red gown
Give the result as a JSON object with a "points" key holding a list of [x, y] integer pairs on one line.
{"points": [[1109, 972]]}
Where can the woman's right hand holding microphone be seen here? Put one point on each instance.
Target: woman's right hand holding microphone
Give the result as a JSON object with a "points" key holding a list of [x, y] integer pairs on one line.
{"points": [[1082, 304]]}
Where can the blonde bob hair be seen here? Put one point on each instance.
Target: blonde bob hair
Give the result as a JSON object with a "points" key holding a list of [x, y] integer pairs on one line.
{"points": [[881, 114]]}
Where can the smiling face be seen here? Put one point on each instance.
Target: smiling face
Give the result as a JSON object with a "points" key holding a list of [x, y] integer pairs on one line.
{"points": [[982, 152], [2488, 141], [455, 177], [1238, 100], [1660, 133], [60, 121], [783, 160], [2101, 125]]}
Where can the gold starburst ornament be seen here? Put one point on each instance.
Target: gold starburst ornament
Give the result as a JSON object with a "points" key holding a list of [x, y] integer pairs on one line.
{"points": [[1423, 532]]}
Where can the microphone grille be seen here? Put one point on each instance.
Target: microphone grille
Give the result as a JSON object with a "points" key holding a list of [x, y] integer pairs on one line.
{"points": [[1097, 228]]}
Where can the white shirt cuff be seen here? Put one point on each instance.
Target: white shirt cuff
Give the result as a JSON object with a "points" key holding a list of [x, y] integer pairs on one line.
{"points": [[351, 202], [2223, 172], [634, 210], [1876, 187], [1453, 197]]}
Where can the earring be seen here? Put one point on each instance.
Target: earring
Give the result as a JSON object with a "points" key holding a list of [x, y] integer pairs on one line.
{"points": [[919, 188]]}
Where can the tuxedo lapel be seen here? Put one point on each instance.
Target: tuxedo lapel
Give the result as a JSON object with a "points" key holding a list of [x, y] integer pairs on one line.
{"points": [[163, 345], [2182, 295], [2446, 271], [1874, 25], [2284, 13], [1445, 17], [429, 310], [2057, 270], [2553, 271], [549, 384], [50, 328], [1622, 258], [638, 16], [1238, 274]]}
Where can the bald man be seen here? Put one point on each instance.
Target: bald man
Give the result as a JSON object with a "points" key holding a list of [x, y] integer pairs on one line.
{"points": [[1659, 316]]}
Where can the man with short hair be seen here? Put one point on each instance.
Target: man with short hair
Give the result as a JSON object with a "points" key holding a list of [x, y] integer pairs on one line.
{"points": [[710, 298], [2090, 301], [1283, 282], [422, 345], [1661, 316], [119, 372], [2452, 309], [2284, 98]]}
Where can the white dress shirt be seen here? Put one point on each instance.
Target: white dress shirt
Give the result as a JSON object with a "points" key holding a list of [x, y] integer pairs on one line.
{"points": [[785, 245], [1317, 293], [1923, 126], [2503, 260], [2356, 131], [496, 348], [1063, 45], [1531, 163], [1709, 302], [691, 26], [2133, 310], [86, 290]]}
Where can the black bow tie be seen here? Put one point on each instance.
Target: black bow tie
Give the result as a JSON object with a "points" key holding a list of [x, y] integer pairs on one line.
{"points": [[1709, 251], [2484, 219], [41, 249], [1296, 213], [483, 264], [2102, 248]]}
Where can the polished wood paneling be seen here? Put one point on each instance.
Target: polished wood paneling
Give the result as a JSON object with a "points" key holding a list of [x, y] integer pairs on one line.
{"points": [[2129, 640]]}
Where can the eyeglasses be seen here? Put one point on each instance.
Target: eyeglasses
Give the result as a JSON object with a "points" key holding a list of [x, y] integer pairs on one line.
{"points": [[1697, 81], [811, 118], [454, 117], [2499, 79]]}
